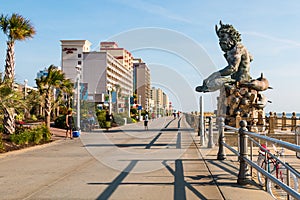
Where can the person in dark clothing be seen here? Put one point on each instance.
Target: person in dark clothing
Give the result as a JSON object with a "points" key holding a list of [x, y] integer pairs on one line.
{"points": [[69, 124], [146, 121], [107, 120]]}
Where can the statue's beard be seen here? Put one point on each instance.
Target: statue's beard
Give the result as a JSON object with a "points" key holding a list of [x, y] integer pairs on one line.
{"points": [[226, 45]]}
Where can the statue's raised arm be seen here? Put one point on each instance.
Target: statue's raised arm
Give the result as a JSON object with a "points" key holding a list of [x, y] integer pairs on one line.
{"points": [[238, 59]]}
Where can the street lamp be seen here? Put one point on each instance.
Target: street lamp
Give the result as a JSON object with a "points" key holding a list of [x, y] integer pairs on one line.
{"points": [[109, 88], [25, 88], [78, 70], [140, 108]]}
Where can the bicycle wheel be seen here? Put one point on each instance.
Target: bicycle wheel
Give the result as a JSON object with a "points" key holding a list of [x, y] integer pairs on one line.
{"points": [[294, 182], [260, 177], [276, 191]]}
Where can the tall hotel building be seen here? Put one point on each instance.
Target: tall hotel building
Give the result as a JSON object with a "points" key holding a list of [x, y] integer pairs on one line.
{"points": [[141, 82], [109, 67], [160, 102]]}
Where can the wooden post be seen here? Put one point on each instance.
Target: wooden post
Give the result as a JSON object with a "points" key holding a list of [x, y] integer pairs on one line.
{"points": [[275, 121], [271, 123], [294, 121], [283, 122]]}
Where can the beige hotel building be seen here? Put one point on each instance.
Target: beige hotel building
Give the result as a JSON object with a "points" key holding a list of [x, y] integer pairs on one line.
{"points": [[110, 67]]}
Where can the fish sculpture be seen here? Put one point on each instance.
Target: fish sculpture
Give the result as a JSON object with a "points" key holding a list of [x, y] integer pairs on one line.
{"points": [[259, 84]]}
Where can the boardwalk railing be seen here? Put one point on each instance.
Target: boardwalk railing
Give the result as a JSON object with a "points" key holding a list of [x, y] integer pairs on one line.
{"points": [[244, 161]]}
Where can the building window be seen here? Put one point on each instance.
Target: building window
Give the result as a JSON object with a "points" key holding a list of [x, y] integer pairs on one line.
{"points": [[79, 55], [79, 62]]}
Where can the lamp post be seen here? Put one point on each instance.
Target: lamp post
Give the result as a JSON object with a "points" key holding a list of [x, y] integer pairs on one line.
{"points": [[129, 106], [109, 88], [139, 108], [25, 88], [78, 70]]}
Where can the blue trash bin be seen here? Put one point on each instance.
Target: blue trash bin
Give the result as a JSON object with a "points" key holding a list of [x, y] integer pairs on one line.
{"points": [[76, 133]]}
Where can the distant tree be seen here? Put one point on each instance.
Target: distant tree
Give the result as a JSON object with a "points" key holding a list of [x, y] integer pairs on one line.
{"points": [[51, 89], [33, 102]]}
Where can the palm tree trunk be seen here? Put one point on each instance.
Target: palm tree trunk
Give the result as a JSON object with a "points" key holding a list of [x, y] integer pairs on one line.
{"points": [[48, 109], [9, 120], [10, 63]]}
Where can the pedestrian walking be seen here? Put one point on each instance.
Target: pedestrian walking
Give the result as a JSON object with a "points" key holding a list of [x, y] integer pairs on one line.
{"points": [[91, 120], [69, 124], [146, 121]]}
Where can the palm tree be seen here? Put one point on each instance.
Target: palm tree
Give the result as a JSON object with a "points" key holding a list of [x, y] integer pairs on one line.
{"points": [[15, 28], [10, 98], [51, 88], [68, 89]]}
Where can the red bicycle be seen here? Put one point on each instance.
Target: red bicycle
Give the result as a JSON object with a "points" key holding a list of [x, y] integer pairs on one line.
{"points": [[275, 168]]}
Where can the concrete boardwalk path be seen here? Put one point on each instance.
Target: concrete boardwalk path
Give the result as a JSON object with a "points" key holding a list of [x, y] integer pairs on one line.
{"points": [[163, 162]]}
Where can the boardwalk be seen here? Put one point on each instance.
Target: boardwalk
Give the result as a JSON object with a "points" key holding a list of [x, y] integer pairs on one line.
{"points": [[128, 163]]}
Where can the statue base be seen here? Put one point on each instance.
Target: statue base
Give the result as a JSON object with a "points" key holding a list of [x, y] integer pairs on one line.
{"points": [[236, 103]]}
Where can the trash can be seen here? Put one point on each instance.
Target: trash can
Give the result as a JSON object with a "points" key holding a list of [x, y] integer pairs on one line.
{"points": [[76, 133]]}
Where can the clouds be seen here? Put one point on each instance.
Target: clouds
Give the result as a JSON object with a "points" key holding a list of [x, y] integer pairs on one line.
{"points": [[154, 9]]}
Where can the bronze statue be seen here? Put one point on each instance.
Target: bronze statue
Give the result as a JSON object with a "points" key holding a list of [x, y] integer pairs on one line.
{"points": [[238, 59], [239, 93]]}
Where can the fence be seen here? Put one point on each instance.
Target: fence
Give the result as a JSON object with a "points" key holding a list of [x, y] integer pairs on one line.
{"points": [[207, 137], [273, 121], [244, 161], [297, 135]]}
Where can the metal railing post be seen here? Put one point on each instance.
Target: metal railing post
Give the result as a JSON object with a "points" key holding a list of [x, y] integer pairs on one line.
{"points": [[288, 181], [210, 133], [243, 177], [201, 122], [221, 152]]}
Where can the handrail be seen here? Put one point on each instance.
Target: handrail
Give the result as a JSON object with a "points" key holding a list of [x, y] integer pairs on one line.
{"points": [[287, 145], [285, 187], [243, 154], [281, 162], [231, 128]]}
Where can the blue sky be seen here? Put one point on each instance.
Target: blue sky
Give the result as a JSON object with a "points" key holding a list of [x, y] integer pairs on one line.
{"points": [[269, 31]]}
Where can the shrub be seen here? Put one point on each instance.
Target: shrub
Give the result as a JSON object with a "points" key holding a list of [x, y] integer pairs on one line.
{"points": [[119, 120], [36, 135], [46, 133], [34, 118], [19, 117], [101, 118], [60, 122], [129, 120], [21, 138]]}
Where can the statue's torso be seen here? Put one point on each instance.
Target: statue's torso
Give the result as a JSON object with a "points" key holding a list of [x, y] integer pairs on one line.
{"points": [[240, 56]]}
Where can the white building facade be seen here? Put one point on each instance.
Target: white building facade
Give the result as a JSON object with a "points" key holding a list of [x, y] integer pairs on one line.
{"points": [[100, 70]]}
